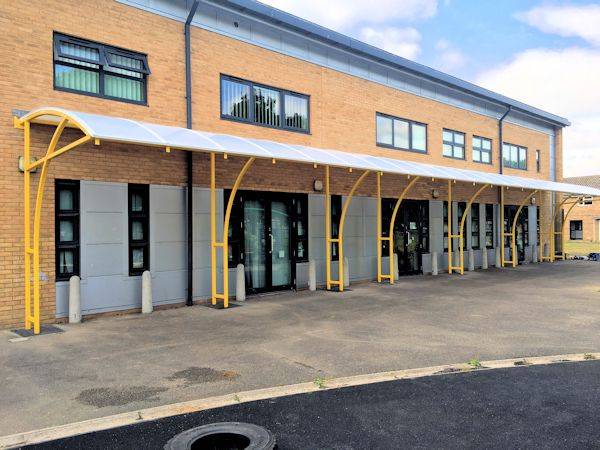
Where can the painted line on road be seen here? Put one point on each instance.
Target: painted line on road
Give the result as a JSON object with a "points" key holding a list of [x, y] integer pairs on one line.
{"points": [[159, 412]]}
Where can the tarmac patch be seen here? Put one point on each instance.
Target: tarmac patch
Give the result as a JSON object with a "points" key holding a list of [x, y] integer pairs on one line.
{"points": [[199, 375], [101, 397]]}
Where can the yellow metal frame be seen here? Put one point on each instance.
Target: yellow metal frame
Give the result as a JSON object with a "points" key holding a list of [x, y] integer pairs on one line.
{"points": [[513, 261], [32, 247], [553, 233], [461, 228], [340, 239], [390, 236], [224, 244], [451, 236], [561, 232]]}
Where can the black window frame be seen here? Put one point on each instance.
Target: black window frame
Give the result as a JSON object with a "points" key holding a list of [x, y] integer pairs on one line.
{"points": [[300, 220], [410, 134], [572, 229], [445, 227], [490, 229], [72, 215], [144, 217], [481, 150], [475, 219], [251, 105], [453, 144], [104, 52], [514, 164], [336, 214]]}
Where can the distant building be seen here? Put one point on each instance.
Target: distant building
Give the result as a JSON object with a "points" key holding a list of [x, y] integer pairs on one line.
{"points": [[583, 223]]}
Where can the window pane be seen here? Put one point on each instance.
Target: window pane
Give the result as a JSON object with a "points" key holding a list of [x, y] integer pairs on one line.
{"points": [[459, 152], [123, 88], [301, 250], [401, 134], [514, 155], [137, 230], [486, 144], [296, 112], [266, 106], [447, 135], [476, 155], [79, 51], [76, 78], [384, 130], [419, 137], [66, 231], [235, 99], [137, 203], [126, 61], [137, 258], [66, 200], [459, 138], [522, 158], [66, 262], [447, 150], [476, 142], [485, 157]]}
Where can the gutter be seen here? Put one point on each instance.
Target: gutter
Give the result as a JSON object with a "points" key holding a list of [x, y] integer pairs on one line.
{"points": [[500, 139], [189, 159]]}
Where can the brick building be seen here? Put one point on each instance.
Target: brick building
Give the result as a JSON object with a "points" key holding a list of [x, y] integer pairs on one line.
{"points": [[583, 222], [303, 100]]}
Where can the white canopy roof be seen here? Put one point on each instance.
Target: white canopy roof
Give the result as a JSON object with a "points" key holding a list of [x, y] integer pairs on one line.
{"points": [[119, 129]]}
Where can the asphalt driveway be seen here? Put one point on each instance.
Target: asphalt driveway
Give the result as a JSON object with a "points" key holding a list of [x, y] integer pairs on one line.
{"points": [[119, 364]]}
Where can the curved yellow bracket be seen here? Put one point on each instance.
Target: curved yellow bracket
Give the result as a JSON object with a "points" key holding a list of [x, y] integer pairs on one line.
{"points": [[224, 244], [561, 232], [340, 239], [390, 236], [32, 247], [552, 229], [513, 234], [462, 226]]}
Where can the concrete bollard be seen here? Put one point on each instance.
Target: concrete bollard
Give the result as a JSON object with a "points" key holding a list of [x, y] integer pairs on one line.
{"points": [[484, 259], [240, 283], [74, 299], [395, 265], [434, 263], [346, 272], [498, 259], [312, 275], [146, 292], [534, 255], [471, 267]]}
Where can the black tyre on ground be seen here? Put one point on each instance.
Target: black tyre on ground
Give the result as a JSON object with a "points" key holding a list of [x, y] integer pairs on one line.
{"points": [[223, 436]]}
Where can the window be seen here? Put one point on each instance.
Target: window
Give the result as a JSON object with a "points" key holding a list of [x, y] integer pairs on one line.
{"points": [[585, 201], [91, 68], [301, 225], [576, 228], [445, 226], [514, 156], [475, 244], [401, 133], [482, 150], [139, 228], [235, 235], [453, 144], [67, 228], [336, 213], [537, 160], [276, 108], [461, 207], [489, 226]]}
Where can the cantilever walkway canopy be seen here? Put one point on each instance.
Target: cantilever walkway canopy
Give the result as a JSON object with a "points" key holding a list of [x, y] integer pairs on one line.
{"points": [[118, 129]]}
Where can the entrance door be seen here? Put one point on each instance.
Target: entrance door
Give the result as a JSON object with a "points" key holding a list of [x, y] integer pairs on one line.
{"points": [[267, 242], [411, 234], [522, 230]]}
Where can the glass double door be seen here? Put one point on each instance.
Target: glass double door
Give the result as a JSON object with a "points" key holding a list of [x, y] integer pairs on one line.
{"points": [[522, 230], [267, 242]]}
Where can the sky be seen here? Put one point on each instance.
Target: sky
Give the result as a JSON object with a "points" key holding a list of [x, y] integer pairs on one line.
{"points": [[544, 53]]}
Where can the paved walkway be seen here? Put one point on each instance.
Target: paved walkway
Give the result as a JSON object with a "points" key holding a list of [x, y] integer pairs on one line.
{"points": [[118, 364], [553, 406]]}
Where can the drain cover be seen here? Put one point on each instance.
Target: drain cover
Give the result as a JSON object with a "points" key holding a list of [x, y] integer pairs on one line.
{"points": [[44, 329]]}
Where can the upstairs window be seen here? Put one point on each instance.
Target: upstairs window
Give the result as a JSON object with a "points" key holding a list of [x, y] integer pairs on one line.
{"points": [[401, 133], [514, 156], [482, 150], [537, 161], [453, 144], [100, 70], [585, 201], [276, 108]]}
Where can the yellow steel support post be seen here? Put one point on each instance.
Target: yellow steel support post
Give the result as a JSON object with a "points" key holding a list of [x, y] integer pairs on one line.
{"points": [[340, 239], [513, 239], [562, 232], [462, 226], [390, 237], [379, 236], [449, 226], [503, 234], [32, 246], [327, 230], [224, 244]]}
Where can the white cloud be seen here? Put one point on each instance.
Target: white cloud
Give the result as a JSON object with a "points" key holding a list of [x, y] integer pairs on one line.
{"points": [[342, 15], [400, 41], [450, 58], [566, 20], [564, 82]]}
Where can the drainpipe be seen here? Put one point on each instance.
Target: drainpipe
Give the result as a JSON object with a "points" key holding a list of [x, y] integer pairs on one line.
{"points": [[189, 159], [500, 226], [500, 139]]}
